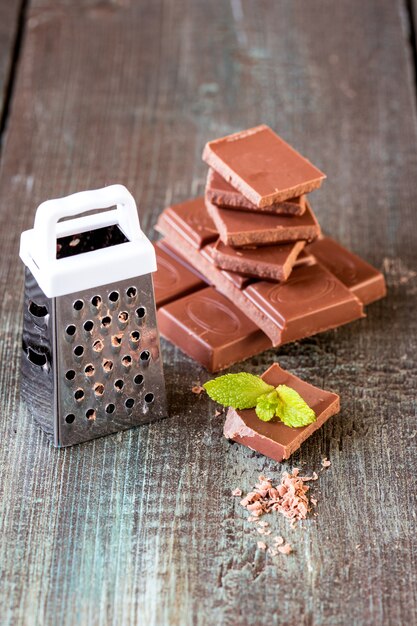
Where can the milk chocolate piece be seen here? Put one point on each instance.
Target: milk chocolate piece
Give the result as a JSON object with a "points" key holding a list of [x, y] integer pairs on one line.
{"points": [[191, 222], [172, 280], [269, 262], [220, 192], [366, 282], [262, 166], [274, 439], [238, 228], [311, 301], [211, 329], [271, 315]]}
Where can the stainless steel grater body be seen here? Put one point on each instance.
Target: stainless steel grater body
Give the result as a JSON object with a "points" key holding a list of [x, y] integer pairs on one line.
{"points": [[91, 362]]}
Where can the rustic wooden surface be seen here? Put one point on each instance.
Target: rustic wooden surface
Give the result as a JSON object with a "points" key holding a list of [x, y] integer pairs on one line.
{"points": [[140, 528]]}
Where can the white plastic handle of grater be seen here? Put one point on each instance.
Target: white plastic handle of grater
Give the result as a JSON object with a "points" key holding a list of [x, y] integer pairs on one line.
{"points": [[50, 212]]}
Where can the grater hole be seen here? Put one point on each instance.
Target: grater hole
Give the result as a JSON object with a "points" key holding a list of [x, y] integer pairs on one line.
{"points": [[99, 389], [138, 380], [96, 301], [110, 408], [98, 345], [79, 395], [107, 365], [149, 397], [37, 310], [78, 350], [78, 305], [70, 330], [126, 360], [36, 358], [105, 321], [141, 312], [135, 335], [129, 403], [89, 369], [131, 292], [145, 355], [118, 384], [116, 340], [90, 414], [70, 418], [114, 296], [88, 326], [123, 316], [70, 375]]}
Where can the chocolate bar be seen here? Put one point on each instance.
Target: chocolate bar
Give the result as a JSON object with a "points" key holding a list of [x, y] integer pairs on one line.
{"points": [[262, 166], [269, 262], [211, 329], [274, 439], [172, 280], [238, 228], [272, 316], [220, 192], [366, 282], [311, 301]]}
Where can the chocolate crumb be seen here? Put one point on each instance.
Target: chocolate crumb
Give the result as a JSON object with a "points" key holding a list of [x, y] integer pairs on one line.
{"points": [[325, 462], [197, 389], [237, 492], [285, 549], [289, 497]]}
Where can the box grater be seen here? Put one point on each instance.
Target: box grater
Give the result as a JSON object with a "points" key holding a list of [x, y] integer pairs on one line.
{"points": [[91, 362]]}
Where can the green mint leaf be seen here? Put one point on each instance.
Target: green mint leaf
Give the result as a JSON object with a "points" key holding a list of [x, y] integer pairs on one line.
{"points": [[239, 391], [292, 409], [267, 405]]}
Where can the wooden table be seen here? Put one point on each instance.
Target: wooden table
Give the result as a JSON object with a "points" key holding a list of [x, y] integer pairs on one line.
{"points": [[140, 527]]}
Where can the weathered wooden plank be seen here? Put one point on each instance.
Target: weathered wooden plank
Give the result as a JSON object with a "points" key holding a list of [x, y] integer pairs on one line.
{"points": [[140, 527], [9, 22]]}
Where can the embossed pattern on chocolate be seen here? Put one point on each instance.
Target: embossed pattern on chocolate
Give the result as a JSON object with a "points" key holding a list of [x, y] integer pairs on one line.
{"points": [[366, 282], [211, 329]]}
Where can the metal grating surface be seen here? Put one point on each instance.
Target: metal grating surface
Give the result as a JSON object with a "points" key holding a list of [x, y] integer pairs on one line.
{"points": [[109, 368]]}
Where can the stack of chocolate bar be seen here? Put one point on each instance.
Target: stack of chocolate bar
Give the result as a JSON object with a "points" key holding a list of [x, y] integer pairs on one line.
{"points": [[246, 267]]}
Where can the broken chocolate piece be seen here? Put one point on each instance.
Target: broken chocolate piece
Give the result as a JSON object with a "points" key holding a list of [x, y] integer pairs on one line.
{"points": [[269, 262], [172, 280], [274, 439], [191, 222], [238, 228], [311, 301], [210, 329], [262, 166], [220, 192], [366, 282]]}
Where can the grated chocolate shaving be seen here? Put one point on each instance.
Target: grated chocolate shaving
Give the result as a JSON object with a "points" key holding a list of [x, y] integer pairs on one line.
{"points": [[197, 389], [237, 492], [325, 462], [285, 549], [288, 498]]}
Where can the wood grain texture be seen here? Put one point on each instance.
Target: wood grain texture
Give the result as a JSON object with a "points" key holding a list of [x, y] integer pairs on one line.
{"points": [[140, 528], [9, 21]]}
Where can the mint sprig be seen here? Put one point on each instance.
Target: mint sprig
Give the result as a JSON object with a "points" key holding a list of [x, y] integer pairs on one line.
{"points": [[240, 391], [247, 391]]}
